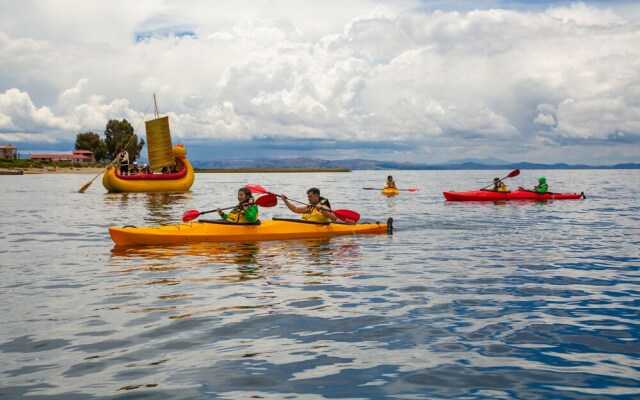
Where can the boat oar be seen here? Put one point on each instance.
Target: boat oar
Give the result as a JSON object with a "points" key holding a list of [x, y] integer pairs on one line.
{"points": [[402, 190], [513, 173], [348, 216], [86, 185], [270, 200]]}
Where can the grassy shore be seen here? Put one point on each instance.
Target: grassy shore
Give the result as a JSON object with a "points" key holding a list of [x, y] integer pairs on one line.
{"points": [[93, 170], [266, 170]]}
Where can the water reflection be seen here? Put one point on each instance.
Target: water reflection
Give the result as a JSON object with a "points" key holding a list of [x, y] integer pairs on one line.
{"points": [[160, 206], [201, 253]]}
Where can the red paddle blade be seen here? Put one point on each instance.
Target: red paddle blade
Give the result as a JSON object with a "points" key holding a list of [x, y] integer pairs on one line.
{"points": [[412, 190], [190, 215], [257, 189], [348, 216], [268, 200], [513, 173]]}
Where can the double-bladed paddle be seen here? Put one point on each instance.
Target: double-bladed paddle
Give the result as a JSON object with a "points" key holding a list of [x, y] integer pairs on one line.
{"points": [[403, 190], [513, 173], [270, 200], [348, 216]]}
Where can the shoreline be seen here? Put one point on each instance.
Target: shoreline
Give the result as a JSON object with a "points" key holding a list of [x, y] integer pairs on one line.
{"points": [[96, 170]]}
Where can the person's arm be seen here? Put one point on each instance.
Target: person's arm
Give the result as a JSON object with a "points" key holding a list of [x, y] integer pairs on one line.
{"points": [[326, 212], [222, 214], [251, 213], [295, 209]]}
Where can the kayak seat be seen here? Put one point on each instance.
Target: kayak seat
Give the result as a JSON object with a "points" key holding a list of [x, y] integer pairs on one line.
{"points": [[225, 222], [301, 221]]}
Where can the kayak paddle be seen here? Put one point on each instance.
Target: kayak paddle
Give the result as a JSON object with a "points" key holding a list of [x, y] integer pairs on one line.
{"points": [[348, 216], [513, 173], [86, 185], [269, 200], [403, 190]]}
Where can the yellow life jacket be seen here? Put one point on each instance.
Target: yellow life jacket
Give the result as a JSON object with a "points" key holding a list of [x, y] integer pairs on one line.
{"points": [[500, 187], [237, 215], [312, 214]]}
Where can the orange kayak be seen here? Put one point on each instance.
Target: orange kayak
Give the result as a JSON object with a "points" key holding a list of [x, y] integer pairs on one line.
{"points": [[224, 231]]}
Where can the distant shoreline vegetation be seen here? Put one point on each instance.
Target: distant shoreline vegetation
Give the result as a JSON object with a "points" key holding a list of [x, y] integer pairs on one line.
{"points": [[318, 165], [270, 170]]}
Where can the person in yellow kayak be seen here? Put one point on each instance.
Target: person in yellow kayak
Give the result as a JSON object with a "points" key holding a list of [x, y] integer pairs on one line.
{"points": [[318, 209], [245, 211], [498, 186], [390, 183]]}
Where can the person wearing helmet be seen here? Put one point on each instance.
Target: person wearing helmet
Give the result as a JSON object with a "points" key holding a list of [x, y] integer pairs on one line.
{"points": [[542, 186]]}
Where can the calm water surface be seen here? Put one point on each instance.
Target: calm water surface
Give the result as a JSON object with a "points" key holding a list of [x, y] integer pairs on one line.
{"points": [[519, 300]]}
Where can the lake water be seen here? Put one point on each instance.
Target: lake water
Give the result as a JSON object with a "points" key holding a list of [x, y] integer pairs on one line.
{"points": [[519, 300]]}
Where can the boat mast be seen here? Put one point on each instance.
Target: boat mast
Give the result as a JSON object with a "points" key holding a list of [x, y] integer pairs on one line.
{"points": [[155, 105]]}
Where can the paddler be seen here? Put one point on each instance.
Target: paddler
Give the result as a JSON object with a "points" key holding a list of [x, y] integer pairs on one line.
{"points": [[318, 209], [498, 186], [390, 183], [123, 158], [245, 211], [542, 186]]}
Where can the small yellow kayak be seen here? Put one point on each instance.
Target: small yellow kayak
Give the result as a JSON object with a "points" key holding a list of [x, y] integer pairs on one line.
{"points": [[390, 192], [225, 231]]}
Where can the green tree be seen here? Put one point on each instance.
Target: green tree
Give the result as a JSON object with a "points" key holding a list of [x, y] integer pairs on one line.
{"points": [[118, 134], [91, 141]]}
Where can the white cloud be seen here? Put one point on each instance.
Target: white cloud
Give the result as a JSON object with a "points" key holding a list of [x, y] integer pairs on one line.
{"points": [[583, 14], [597, 118], [17, 112], [360, 71]]}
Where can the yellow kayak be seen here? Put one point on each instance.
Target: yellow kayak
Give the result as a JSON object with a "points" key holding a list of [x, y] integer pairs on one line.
{"points": [[390, 192], [224, 231], [180, 181]]}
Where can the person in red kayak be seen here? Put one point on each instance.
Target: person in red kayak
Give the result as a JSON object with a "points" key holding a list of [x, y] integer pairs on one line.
{"points": [[542, 186], [245, 211], [390, 183], [499, 186], [318, 209]]}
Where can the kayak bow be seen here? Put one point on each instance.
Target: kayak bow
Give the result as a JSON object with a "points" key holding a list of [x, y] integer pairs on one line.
{"points": [[390, 192]]}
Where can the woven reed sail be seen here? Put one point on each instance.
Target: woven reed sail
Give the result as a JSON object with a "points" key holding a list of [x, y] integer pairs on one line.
{"points": [[159, 143]]}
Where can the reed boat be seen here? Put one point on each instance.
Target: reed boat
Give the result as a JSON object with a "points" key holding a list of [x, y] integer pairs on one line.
{"points": [[180, 181], [162, 156]]}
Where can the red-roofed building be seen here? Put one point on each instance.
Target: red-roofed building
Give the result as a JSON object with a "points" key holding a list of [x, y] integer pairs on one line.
{"points": [[8, 152], [79, 156]]}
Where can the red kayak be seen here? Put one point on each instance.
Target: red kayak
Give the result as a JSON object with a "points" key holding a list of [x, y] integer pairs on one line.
{"points": [[489, 195]]}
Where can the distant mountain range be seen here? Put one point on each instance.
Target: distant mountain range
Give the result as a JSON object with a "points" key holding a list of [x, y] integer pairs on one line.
{"points": [[464, 164]]}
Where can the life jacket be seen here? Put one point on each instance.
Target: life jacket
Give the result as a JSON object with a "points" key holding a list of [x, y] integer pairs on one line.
{"points": [[542, 186], [312, 214], [390, 185], [500, 187], [237, 213]]}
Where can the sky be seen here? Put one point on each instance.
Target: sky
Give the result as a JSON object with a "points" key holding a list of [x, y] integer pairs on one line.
{"points": [[404, 80]]}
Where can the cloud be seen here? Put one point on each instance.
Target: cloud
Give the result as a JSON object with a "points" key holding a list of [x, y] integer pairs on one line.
{"points": [[599, 118], [448, 81]]}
